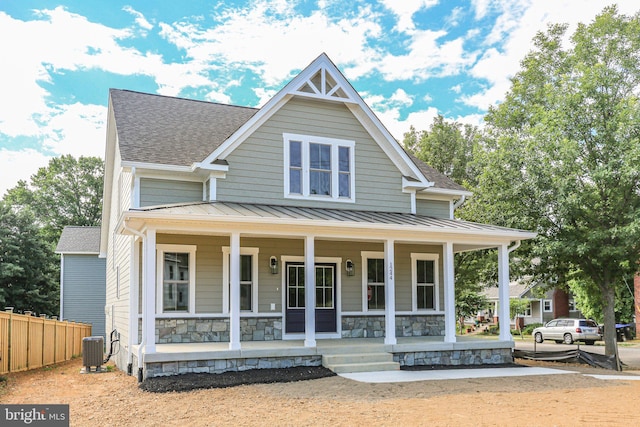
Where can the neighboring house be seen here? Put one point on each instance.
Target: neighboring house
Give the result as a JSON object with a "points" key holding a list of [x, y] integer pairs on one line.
{"points": [[553, 304], [82, 277], [223, 225]]}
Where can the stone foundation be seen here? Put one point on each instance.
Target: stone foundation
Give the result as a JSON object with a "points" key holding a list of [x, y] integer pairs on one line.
{"points": [[216, 330], [420, 326], [228, 365], [406, 326], [363, 326], [455, 357]]}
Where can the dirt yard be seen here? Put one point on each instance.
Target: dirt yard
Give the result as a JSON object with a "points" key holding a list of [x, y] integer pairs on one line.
{"points": [[114, 399]]}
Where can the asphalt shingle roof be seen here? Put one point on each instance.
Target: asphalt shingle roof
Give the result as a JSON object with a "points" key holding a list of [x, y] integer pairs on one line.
{"points": [[172, 131], [79, 240]]}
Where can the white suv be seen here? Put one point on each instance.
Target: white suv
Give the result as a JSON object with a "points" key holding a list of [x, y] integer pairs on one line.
{"points": [[568, 330]]}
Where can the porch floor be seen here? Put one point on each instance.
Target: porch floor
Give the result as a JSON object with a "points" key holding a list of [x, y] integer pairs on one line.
{"points": [[280, 348]]}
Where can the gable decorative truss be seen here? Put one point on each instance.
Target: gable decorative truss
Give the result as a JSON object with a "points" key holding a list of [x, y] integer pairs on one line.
{"points": [[322, 80], [323, 85]]}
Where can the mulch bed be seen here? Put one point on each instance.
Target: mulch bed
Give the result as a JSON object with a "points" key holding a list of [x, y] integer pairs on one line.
{"points": [[187, 382]]}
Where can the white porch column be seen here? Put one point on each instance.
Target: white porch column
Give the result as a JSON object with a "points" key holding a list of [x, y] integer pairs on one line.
{"points": [[389, 293], [149, 292], [309, 292], [504, 316], [134, 288], [449, 294], [234, 292]]}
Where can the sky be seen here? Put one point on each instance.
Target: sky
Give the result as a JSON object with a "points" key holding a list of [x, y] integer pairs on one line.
{"points": [[410, 60]]}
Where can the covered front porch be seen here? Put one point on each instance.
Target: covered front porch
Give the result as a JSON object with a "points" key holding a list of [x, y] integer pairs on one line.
{"points": [[244, 276]]}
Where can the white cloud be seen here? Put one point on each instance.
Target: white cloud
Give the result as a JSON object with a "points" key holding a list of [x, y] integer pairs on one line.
{"points": [[456, 89], [17, 165], [427, 58], [272, 46], [77, 129], [405, 9], [402, 97], [140, 19], [390, 118], [516, 26]]}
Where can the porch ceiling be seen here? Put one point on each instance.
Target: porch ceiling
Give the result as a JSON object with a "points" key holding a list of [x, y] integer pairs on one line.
{"points": [[292, 220]]}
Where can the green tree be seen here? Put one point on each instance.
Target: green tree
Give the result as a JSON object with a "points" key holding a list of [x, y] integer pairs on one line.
{"points": [[468, 303], [447, 147], [28, 279], [66, 192], [567, 151]]}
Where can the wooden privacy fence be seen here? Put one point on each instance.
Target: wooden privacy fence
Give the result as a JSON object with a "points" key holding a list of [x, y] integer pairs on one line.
{"points": [[28, 342]]}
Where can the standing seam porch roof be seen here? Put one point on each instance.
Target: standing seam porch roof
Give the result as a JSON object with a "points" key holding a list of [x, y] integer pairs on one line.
{"points": [[244, 211]]}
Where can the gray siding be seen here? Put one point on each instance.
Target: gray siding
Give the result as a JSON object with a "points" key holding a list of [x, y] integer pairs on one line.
{"points": [[209, 259], [84, 280], [256, 169], [155, 192], [433, 208]]}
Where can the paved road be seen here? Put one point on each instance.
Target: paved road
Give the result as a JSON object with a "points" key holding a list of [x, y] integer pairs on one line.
{"points": [[629, 353]]}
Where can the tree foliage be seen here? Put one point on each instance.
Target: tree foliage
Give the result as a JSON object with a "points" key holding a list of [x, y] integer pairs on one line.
{"points": [[28, 279], [448, 147], [566, 154], [66, 192]]}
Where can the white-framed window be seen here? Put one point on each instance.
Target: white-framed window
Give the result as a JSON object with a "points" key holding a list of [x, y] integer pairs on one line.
{"points": [[527, 311], [572, 305], [373, 280], [176, 272], [319, 168], [248, 279], [547, 305], [424, 279]]}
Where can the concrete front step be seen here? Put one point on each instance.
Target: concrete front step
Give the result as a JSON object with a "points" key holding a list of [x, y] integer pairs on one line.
{"points": [[359, 362]]}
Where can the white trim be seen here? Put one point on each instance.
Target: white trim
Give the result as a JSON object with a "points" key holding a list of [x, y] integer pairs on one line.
{"points": [[310, 292], [365, 256], [335, 144], [449, 293], [161, 249], [226, 251], [149, 294], [504, 318], [550, 301], [234, 292], [61, 285], [213, 188], [135, 192], [390, 293], [414, 281]]}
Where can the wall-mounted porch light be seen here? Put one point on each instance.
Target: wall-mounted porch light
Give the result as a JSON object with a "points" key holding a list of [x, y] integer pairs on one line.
{"points": [[273, 265], [350, 267]]}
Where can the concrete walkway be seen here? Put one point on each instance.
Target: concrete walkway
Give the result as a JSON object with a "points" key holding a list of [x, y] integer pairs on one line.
{"points": [[448, 374]]}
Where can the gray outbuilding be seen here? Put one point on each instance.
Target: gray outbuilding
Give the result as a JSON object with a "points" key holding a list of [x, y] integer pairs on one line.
{"points": [[82, 277]]}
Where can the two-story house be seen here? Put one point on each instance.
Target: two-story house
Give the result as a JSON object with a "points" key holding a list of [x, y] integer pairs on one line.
{"points": [[241, 238]]}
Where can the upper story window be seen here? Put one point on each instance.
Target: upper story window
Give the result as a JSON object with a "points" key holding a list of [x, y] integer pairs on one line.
{"points": [[319, 168]]}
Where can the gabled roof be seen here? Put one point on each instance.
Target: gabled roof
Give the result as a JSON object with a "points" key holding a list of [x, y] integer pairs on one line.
{"points": [[172, 131], [517, 289], [163, 130], [440, 180], [79, 240]]}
